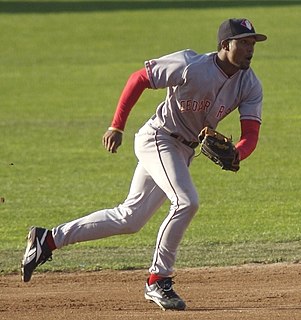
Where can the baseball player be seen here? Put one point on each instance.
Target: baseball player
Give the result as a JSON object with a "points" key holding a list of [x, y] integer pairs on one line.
{"points": [[202, 89]]}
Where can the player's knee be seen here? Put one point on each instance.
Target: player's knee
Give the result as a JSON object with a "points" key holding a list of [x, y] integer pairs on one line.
{"points": [[189, 205], [131, 226], [185, 199], [193, 206]]}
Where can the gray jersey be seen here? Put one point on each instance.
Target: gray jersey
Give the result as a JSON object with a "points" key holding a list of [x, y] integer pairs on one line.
{"points": [[199, 93]]}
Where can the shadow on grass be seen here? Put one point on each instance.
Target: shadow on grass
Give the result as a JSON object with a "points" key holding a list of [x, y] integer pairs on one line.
{"points": [[12, 7]]}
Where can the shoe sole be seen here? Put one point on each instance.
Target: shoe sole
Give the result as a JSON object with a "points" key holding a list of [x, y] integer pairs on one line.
{"points": [[153, 300], [157, 302]]}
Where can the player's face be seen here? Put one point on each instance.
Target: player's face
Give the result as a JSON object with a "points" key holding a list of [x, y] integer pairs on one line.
{"points": [[241, 52]]}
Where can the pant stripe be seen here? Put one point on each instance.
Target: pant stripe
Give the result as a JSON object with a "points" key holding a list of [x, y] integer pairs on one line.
{"points": [[171, 215]]}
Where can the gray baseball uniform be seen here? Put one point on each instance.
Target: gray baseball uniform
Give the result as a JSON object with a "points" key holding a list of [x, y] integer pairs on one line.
{"points": [[199, 94]]}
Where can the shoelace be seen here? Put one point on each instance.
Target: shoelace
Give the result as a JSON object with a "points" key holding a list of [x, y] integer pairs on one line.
{"points": [[166, 286]]}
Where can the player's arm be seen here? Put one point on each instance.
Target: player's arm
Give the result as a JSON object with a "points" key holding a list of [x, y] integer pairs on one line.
{"points": [[133, 89], [248, 139]]}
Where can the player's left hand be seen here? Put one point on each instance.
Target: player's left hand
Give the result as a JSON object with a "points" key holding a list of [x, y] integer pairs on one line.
{"points": [[112, 140], [219, 149]]}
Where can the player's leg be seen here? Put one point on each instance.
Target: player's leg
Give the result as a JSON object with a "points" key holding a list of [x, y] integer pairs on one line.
{"points": [[167, 161], [143, 200], [168, 166]]}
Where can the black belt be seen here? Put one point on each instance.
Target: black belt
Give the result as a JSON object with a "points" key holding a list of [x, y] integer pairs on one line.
{"points": [[191, 144]]}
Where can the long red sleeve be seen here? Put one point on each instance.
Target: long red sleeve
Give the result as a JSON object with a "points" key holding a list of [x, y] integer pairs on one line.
{"points": [[133, 89], [249, 138]]}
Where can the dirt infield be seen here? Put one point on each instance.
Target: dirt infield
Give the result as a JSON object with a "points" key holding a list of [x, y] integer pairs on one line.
{"points": [[247, 292]]}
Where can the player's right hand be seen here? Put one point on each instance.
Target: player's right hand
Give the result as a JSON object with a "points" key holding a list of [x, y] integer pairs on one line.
{"points": [[112, 140]]}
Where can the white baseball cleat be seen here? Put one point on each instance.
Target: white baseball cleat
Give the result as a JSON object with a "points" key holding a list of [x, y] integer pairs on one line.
{"points": [[37, 252], [162, 293]]}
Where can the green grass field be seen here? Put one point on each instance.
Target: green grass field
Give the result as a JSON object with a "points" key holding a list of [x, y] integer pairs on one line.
{"points": [[62, 67]]}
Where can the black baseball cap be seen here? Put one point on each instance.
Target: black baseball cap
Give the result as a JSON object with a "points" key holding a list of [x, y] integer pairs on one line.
{"points": [[236, 29]]}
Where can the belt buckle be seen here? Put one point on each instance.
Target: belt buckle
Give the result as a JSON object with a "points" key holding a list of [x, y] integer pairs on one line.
{"points": [[191, 144]]}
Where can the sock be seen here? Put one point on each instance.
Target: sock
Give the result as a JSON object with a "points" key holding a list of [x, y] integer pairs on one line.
{"points": [[154, 278], [50, 241]]}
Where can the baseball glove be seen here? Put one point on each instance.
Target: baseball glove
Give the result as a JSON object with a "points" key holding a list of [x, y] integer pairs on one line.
{"points": [[219, 149]]}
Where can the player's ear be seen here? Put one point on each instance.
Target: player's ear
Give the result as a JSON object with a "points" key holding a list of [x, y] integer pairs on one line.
{"points": [[225, 45]]}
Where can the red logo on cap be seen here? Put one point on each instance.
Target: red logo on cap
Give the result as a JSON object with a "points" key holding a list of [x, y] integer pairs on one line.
{"points": [[247, 24]]}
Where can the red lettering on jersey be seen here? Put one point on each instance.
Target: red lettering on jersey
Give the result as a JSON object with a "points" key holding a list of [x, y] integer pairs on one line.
{"points": [[188, 106], [204, 105], [194, 105], [220, 112]]}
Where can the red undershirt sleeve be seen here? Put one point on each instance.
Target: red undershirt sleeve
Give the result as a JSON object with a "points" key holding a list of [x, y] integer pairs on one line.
{"points": [[133, 89], [248, 139]]}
